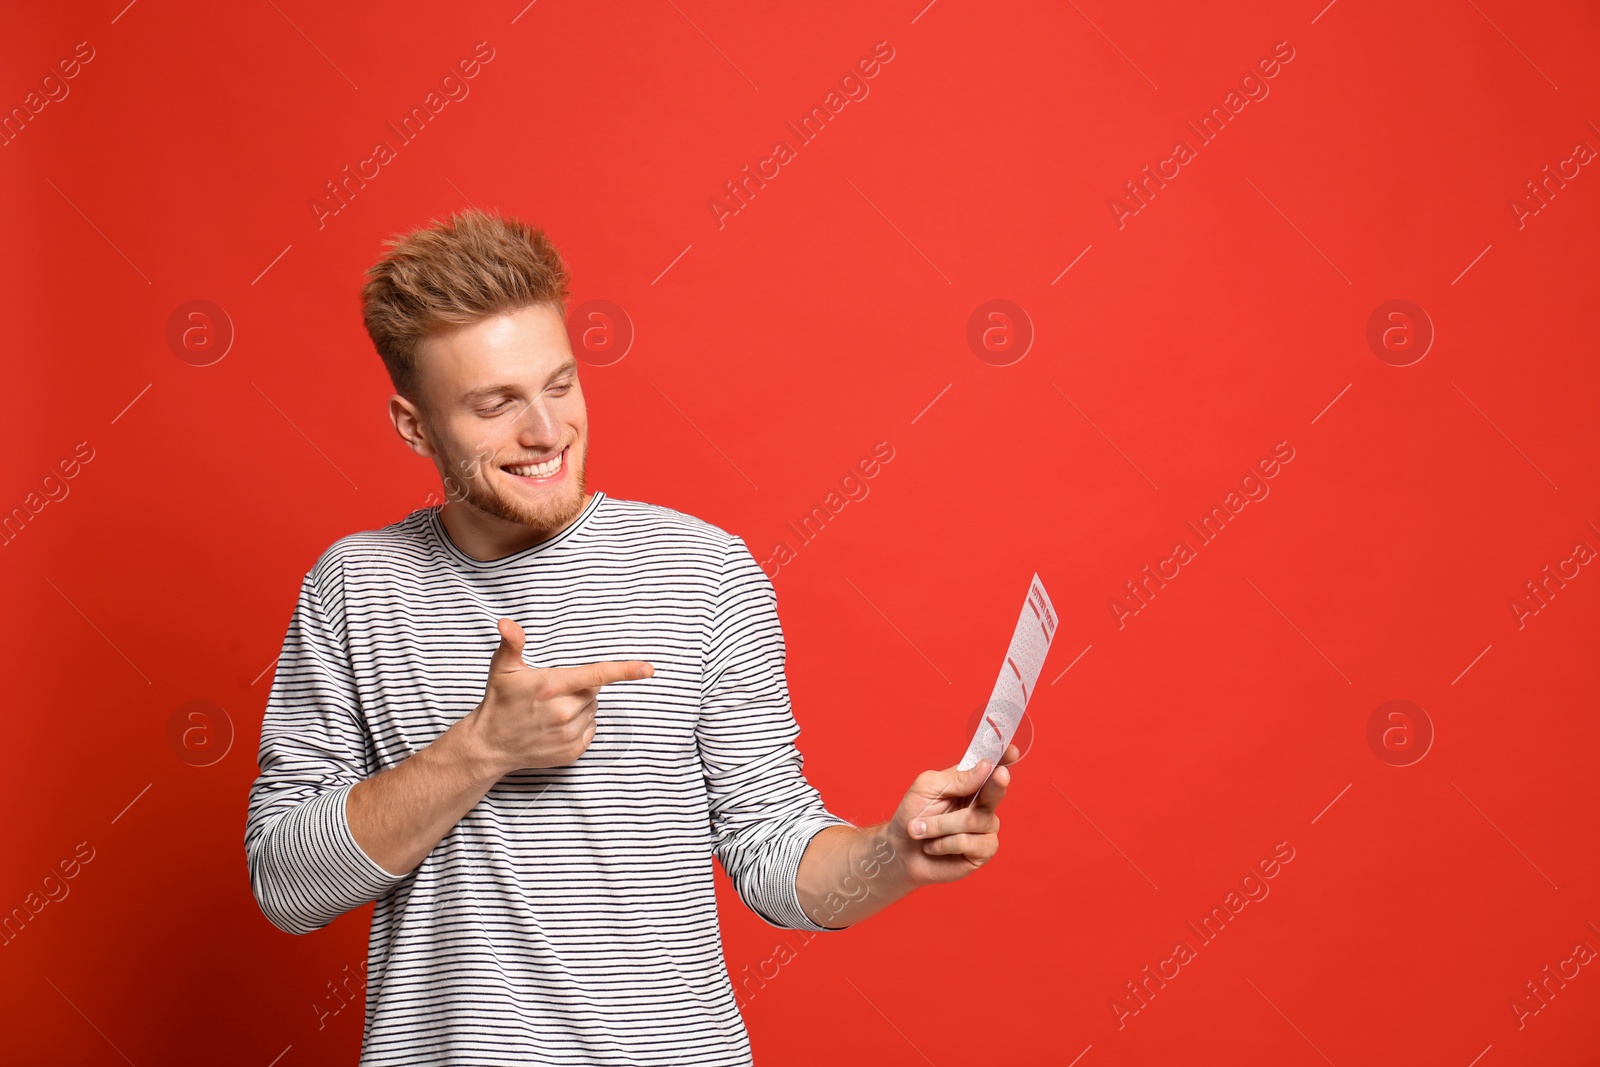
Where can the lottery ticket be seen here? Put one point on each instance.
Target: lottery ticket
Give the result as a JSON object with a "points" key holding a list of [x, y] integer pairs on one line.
{"points": [[1019, 674]]}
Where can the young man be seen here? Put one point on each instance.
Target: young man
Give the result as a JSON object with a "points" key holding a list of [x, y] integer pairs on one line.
{"points": [[523, 721]]}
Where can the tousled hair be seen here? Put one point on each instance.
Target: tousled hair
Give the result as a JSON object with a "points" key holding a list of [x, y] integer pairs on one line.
{"points": [[451, 274]]}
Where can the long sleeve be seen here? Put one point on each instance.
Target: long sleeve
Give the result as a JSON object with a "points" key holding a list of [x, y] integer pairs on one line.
{"points": [[763, 810], [305, 866]]}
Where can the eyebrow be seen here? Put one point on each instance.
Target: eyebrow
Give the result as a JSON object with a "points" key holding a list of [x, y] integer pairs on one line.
{"points": [[485, 391]]}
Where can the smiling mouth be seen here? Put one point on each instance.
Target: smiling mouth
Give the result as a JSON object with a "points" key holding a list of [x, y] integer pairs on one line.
{"points": [[547, 471]]}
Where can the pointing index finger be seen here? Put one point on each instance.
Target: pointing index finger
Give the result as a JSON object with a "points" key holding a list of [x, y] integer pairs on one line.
{"points": [[595, 675]]}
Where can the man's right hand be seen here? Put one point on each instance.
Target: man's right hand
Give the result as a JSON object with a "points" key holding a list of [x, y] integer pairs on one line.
{"points": [[541, 716]]}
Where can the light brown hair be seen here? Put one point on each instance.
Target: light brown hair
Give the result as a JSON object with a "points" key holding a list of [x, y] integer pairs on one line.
{"points": [[452, 274]]}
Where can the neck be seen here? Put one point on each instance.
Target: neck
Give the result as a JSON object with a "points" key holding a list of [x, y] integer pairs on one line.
{"points": [[488, 537]]}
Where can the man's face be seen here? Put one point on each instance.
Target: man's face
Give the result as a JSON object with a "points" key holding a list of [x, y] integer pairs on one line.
{"points": [[498, 399]]}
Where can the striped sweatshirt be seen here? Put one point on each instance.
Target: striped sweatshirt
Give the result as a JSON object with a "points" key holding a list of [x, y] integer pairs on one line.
{"points": [[570, 917]]}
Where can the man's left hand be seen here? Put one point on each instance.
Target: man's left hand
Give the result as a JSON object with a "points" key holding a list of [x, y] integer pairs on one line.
{"points": [[937, 839]]}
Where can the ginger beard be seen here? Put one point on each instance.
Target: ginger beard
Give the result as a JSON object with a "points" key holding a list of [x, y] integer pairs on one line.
{"points": [[481, 481]]}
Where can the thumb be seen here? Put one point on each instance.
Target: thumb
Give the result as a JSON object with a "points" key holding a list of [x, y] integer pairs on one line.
{"points": [[954, 782], [508, 656]]}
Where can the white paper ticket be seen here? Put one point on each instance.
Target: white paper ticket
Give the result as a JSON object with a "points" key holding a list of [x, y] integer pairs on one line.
{"points": [[1019, 673]]}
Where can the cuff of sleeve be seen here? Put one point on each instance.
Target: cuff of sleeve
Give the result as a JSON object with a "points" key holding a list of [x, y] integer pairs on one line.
{"points": [[359, 870], [780, 897], [310, 870]]}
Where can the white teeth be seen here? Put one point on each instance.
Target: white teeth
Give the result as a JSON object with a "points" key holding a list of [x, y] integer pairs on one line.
{"points": [[541, 470]]}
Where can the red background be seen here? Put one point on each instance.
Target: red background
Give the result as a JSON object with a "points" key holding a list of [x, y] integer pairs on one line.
{"points": [[771, 353]]}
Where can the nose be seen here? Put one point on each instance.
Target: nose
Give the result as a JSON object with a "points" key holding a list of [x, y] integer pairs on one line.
{"points": [[537, 426]]}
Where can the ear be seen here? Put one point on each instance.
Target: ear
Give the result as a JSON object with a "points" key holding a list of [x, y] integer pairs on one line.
{"points": [[409, 424]]}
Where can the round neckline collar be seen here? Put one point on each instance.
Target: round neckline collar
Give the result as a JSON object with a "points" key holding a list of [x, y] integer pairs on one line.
{"points": [[456, 552]]}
